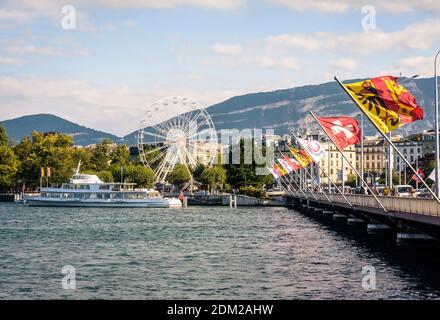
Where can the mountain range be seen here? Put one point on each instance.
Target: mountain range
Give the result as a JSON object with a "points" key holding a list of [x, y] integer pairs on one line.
{"points": [[280, 110]]}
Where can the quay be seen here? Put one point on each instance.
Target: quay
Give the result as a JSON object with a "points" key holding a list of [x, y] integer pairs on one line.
{"points": [[408, 218]]}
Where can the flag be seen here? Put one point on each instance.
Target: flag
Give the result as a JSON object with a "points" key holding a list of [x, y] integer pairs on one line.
{"points": [[280, 170], [277, 171], [48, 171], [301, 156], [42, 171], [432, 175], [274, 173], [387, 103], [313, 148], [421, 174], [292, 162], [286, 165], [344, 131]]}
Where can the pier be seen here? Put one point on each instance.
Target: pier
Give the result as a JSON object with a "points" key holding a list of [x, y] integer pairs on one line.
{"points": [[409, 218]]}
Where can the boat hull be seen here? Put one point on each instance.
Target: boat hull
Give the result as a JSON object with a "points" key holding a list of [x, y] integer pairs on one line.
{"points": [[165, 203]]}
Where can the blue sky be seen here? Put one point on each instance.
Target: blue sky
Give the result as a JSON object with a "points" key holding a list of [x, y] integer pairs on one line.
{"points": [[124, 55]]}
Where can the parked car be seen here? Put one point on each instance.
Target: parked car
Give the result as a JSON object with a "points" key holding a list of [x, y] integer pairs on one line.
{"points": [[403, 190], [423, 193]]}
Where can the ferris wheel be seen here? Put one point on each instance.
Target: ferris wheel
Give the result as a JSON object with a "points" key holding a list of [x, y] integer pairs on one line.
{"points": [[166, 139]]}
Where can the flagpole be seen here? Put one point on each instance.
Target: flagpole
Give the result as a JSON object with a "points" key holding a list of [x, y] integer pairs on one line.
{"points": [[387, 139], [328, 167], [288, 192], [336, 187], [362, 148], [306, 186], [343, 171], [437, 141], [351, 165], [390, 165], [295, 185], [288, 181]]}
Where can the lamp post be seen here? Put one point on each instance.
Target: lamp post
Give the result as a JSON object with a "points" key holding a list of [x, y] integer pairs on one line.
{"points": [[437, 143], [361, 160]]}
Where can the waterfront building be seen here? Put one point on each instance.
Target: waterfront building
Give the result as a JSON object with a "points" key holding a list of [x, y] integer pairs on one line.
{"points": [[375, 158]]}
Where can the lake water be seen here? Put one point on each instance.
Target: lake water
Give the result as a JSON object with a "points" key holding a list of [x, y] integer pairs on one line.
{"points": [[202, 253]]}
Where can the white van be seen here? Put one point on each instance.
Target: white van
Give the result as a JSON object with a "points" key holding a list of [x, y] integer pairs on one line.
{"points": [[403, 190]]}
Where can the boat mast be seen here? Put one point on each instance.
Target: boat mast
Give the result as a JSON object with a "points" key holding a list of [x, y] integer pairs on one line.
{"points": [[77, 168]]}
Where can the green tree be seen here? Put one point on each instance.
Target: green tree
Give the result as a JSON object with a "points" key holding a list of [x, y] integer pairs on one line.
{"points": [[8, 162], [198, 171], [139, 174], [179, 175], [101, 155], [3, 137], [44, 150], [243, 174], [120, 155], [214, 176], [105, 176], [351, 180]]}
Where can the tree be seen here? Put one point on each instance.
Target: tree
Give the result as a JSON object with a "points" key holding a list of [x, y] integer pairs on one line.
{"points": [[198, 171], [8, 162], [101, 155], [214, 176], [244, 174], [120, 155], [44, 150], [105, 176], [179, 175], [139, 174], [351, 180], [3, 137]]}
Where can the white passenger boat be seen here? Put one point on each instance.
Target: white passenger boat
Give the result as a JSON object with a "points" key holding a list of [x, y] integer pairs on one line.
{"points": [[85, 190]]}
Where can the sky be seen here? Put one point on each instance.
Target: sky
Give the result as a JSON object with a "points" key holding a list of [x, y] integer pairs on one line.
{"points": [[120, 56]]}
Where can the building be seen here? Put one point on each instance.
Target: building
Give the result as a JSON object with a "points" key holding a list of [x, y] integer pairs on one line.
{"points": [[333, 161], [375, 160], [336, 162], [411, 150]]}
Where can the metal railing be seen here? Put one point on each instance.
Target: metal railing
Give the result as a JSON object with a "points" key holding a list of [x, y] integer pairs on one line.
{"points": [[425, 206]]}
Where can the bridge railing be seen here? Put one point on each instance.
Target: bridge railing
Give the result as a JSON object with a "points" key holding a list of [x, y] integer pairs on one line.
{"points": [[423, 206]]}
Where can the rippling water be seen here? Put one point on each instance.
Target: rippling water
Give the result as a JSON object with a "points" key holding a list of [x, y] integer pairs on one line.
{"points": [[202, 253]]}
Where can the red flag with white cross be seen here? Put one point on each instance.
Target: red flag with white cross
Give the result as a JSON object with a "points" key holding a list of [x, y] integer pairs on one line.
{"points": [[344, 131]]}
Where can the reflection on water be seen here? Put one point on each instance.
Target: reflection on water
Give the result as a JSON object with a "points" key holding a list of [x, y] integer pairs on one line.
{"points": [[203, 253]]}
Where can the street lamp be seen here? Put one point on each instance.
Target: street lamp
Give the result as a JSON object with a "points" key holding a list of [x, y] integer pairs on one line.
{"points": [[437, 144]]}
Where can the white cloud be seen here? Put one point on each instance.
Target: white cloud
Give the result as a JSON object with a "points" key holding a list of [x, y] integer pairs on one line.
{"points": [[340, 6], [215, 4], [269, 62], [115, 109], [420, 36], [11, 61], [304, 42], [344, 63], [48, 51], [424, 66], [16, 15], [226, 49]]}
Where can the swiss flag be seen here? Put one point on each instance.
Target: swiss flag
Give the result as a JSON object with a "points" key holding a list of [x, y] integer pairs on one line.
{"points": [[421, 174], [344, 131], [292, 162]]}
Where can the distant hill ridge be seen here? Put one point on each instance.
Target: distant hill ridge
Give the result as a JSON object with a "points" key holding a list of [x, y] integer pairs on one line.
{"points": [[280, 110], [24, 126]]}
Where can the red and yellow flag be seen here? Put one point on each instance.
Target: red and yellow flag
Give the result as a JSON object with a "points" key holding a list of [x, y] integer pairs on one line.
{"points": [[301, 156], [387, 102]]}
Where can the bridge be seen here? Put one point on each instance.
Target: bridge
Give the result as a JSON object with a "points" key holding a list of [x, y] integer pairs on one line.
{"points": [[408, 217]]}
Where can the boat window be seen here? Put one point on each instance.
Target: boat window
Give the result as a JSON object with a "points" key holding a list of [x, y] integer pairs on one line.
{"points": [[78, 196]]}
